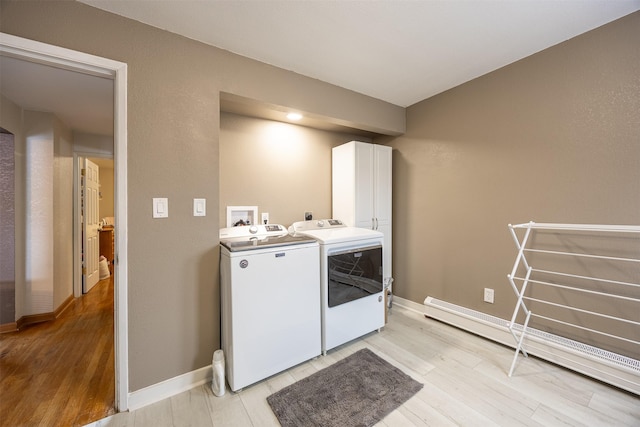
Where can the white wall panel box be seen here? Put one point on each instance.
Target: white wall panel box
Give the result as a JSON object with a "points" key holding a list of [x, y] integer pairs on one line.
{"points": [[199, 207], [160, 207]]}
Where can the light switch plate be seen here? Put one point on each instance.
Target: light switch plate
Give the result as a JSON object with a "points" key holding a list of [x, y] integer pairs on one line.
{"points": [[160, 207], [199, 207]]}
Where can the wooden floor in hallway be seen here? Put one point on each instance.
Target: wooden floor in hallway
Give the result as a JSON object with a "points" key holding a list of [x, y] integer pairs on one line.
{"points": [[61, 373]]}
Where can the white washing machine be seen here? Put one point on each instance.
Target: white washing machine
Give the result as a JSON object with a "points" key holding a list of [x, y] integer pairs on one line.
{"points": [[351, 279], [270, 292]]}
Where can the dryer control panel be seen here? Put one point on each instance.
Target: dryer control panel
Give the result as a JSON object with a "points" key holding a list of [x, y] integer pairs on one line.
{"points": [[315, 224]]}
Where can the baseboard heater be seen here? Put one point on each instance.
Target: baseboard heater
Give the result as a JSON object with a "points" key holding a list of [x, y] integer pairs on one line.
{"points": [[611, 368]]}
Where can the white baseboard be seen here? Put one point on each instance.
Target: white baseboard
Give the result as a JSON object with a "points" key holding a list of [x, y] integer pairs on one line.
{"points": [[171, 387], [408, 305], [611, 368]]}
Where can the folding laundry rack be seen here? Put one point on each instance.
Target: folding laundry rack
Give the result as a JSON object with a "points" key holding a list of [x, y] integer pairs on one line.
{"points": [[622, 292]]}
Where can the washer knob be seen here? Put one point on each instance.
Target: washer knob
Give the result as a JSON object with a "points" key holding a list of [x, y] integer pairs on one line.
{"points": [[253, 229], [321, 223]]}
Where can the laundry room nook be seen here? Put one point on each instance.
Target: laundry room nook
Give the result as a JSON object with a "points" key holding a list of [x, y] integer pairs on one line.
{"points": [[266, 209]]}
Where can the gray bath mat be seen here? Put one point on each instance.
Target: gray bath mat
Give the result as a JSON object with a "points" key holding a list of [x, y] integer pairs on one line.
{"points": [[359, 390]]}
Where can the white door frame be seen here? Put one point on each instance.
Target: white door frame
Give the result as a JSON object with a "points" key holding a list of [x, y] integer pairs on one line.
{"points": [[59, 57]]}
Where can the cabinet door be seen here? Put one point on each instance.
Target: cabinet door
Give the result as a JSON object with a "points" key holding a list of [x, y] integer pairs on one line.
{"points": [[387, 271], [364, 193], [382, 200], [382, 178]]}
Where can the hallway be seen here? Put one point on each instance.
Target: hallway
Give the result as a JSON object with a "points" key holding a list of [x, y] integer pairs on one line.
{"points": [[61, 373]]}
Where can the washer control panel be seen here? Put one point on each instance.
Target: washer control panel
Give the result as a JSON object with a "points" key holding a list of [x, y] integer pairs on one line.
{"points": [[253, 231]]}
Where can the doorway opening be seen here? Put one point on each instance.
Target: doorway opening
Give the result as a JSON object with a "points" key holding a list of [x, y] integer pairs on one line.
{"points": [[58, 58]]}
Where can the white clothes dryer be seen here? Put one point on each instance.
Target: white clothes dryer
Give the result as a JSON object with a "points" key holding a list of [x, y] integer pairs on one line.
{"points": [[351, 279], [270, 298]]}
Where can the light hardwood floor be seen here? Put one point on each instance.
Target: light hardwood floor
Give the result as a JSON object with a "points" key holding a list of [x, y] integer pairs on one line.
{"points": [[465, 384], [61, 373]]}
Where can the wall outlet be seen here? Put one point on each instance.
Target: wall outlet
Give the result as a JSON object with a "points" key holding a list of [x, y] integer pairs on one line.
{"points": [[265, 218], [308, 216], [488, 295]]}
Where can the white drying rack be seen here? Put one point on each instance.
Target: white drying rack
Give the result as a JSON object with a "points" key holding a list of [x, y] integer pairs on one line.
{"points": [[521, 261]]}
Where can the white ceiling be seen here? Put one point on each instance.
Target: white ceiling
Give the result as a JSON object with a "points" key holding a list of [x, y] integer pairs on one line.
{"points": [[83, 102], [398, 51]]}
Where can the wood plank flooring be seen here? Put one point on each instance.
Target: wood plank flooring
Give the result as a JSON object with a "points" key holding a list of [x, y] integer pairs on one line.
{"points": [[466, 384], [61, 373]]}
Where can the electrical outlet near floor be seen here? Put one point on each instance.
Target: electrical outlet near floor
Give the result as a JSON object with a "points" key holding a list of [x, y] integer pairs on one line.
{"points": [[488, 295]]}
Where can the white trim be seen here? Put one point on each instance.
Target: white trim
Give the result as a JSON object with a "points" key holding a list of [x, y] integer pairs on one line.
{"points": [[77, 233], [485, 325], [59, 57], [407, 304], [121, 303], [167, 388]]}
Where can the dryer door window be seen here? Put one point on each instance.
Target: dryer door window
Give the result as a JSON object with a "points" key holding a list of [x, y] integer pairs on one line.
{"points": [[354, 274]]}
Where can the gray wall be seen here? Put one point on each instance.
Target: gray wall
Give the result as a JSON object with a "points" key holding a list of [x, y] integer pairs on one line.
{"points": [[554, 137], [7, 230], [12, 120], [173, 133], [106, 188], [283, 169]]}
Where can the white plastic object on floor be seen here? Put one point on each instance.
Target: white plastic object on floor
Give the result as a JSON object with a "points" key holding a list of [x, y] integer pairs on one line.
{"points": [[103, 268], [218, 382]]}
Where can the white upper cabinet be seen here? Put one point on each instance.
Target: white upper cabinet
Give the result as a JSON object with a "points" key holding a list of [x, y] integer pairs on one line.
{"points": [[361, 187]]}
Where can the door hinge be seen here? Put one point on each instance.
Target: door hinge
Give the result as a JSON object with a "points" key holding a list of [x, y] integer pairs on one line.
{"points": [[83, 172], [84, 271]]}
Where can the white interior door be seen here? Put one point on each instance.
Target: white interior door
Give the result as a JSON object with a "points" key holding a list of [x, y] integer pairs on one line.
{"points": [[90, 214]]}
